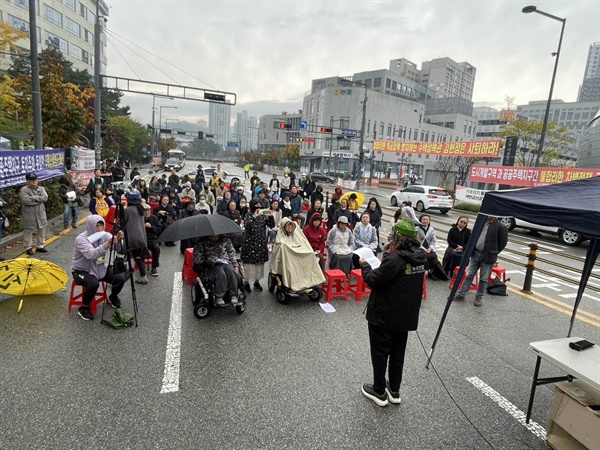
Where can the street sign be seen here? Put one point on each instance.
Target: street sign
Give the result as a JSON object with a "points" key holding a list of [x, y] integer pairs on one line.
{"points": [[232, 144], [350, 133], [303, 125]]}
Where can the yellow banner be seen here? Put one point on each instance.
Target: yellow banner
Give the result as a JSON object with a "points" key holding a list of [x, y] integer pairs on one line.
{"points": [[483, 149]]}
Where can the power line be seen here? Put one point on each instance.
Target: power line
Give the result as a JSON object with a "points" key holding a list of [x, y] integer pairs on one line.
{"points": [[124, 58]]}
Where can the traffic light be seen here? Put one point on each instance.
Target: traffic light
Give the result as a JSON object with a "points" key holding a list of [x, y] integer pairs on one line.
{"points": [[149, 145], [326, 130], [103, 127], [284, 125], [200, 134]]}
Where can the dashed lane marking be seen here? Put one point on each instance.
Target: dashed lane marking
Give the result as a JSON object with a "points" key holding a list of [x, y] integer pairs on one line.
{"points": [[172, 359], [507, 406]]}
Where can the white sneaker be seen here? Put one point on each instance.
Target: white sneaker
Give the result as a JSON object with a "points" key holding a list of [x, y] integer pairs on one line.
{"points": [[220, 302], [234, 300], [142, 280]]}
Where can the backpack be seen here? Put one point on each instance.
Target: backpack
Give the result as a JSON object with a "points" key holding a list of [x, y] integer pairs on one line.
{"points": [[497, 287]]}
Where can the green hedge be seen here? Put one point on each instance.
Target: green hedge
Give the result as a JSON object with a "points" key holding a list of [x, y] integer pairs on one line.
{"points": [[472, 207], [54, 205]]}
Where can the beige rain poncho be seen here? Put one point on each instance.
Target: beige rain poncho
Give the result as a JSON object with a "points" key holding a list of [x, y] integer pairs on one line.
{"points": [[294, 259]]}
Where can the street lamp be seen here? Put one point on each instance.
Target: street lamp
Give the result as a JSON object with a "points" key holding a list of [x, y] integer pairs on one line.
{"points": [[160, 108], [530, 9], [361, 151]]}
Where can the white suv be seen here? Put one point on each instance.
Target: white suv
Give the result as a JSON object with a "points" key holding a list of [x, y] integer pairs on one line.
{"points": [[423, 198]]}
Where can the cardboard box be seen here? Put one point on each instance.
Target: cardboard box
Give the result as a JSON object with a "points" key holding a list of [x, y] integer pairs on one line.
{"points": [[574, 417]]}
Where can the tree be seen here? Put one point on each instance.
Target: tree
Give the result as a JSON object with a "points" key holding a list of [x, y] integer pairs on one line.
{"points": [[557, 141], [111, 101], [444, 167], [290, 155], [125, 137], [9, 37]]}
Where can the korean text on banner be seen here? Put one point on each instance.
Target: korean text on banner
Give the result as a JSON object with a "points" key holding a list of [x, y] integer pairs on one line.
{"points": [[482, 149], [14, 164], [527, 176]]}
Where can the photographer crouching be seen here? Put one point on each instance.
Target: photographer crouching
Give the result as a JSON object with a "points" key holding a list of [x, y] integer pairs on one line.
{"points": [[90, 265]]}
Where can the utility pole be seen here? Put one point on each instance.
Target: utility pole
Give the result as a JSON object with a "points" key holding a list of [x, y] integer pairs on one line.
{"points": [[97, 87], [35, 79], [361, 150]]}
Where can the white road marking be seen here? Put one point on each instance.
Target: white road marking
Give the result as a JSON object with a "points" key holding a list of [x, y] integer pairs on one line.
{"points": [[577, 277], [574, 295], [547, 286], [171, 377], [507, 406]]}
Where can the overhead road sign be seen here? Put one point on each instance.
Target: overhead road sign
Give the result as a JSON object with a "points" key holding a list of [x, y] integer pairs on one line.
{"points": [[232, 144], [349, 133]]}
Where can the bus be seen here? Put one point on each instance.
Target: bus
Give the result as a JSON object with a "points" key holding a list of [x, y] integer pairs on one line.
{"points": [[175, 160]]}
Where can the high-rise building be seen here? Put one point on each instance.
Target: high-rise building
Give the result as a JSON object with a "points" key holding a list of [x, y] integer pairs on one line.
{"points": [[246, 128], [445, 78], [589, 91], [219, 121], [67, 26]]}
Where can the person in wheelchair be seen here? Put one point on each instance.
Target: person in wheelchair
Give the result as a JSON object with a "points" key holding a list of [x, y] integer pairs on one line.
{"points": [[217, 256]]}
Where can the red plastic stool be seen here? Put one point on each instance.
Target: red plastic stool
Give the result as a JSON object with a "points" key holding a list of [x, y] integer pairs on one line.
{"points": [[304, 206], [500, 273], [147, 262], [424, 291], [187, 271], [77, 299], [474, 284], [359, 288], [335, 284], [153, 205]]}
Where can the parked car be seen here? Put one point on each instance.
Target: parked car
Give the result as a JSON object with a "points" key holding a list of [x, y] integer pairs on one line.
{"points": [[424, 198], [567, 237], [320, 176]]}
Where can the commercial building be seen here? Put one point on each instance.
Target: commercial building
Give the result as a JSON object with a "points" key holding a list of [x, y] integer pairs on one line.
{"points": [[395, 110], [445, 78], [575, 116], [589, 91], [219, 122], [66, 25], [589, 149], [489, 120], [270, 136]]}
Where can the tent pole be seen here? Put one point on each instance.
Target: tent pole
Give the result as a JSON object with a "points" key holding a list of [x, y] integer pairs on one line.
{"points": [[590, 260]]}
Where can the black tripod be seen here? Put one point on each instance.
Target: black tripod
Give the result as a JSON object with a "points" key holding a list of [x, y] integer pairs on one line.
{"points": [[118, 224]]}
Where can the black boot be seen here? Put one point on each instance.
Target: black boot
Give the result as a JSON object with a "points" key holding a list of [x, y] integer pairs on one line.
{"points": [[257, 286]]}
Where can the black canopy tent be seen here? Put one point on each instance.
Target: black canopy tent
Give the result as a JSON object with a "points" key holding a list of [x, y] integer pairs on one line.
{"points": [[574, 205]]}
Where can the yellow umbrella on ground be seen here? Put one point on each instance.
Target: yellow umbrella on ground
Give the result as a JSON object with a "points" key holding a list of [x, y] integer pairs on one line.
{"points": [[353, 203], [29, 276]]}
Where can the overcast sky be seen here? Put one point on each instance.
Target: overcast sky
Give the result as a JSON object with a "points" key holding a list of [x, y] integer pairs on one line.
{"points": [[267, 52]]}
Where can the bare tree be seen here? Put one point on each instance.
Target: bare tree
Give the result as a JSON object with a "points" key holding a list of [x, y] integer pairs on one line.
{"points": [[444, 167]]}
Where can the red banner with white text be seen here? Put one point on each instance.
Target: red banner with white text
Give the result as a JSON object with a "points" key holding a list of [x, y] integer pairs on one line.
{"points": [[527, 176], [483, 149]]}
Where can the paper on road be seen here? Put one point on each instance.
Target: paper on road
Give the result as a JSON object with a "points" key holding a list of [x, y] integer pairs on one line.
{"points": [[367, 254], [327, 307]]}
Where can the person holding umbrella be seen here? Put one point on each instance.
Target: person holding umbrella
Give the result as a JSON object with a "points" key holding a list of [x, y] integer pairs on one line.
{"points": [[90, 265]]}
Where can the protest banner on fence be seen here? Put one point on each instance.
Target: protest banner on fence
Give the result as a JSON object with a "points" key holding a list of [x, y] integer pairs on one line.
{"points": [[14, 164], [527, 176]]}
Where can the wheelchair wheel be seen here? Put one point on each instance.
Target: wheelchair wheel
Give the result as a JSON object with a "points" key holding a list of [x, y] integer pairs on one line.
{"points": [[316, 294], [271, 283], [281, 297], [201, 311], [196, 293], [240, 308]]}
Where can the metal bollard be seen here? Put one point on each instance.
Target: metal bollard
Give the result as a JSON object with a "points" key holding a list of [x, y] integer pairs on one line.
{"points": [[530, 267]]}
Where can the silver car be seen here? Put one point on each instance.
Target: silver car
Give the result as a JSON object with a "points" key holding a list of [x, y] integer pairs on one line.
{"points": [[424, 198]]}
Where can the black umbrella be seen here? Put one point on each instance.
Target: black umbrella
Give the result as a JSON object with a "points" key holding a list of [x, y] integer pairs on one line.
{"points": [[198, 226]]}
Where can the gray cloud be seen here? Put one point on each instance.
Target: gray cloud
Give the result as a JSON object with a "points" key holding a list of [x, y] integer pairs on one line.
{"points": [[267, 52]]}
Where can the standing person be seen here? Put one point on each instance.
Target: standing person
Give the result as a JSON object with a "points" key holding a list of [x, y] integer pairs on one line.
{"points": [[285, 183], [200, 178], [491, 242], [95, 181], [153, 230], [174, 180], [375, 214], [246, 171], [274, 184], [134, 173], [187, 211], [166, 214], [135, 227], [237, 239], [292, 178], [392, 311], [277, 216], [220, 172], [428, 241], [70, 196], [33, 214], [118, 174], [90, 265], [309, 186], [255, 179], [255, 252], [317, 195], [458, 238]]}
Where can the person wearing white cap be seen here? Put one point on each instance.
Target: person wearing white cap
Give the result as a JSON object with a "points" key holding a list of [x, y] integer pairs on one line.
{"points": [[33, 214], [187, 191], [340, 242]]}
